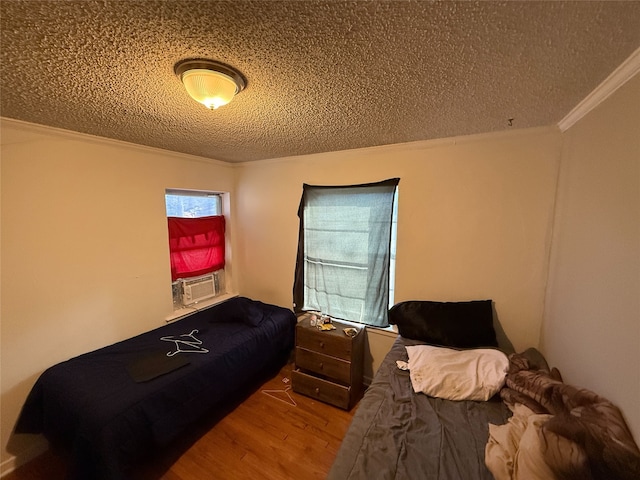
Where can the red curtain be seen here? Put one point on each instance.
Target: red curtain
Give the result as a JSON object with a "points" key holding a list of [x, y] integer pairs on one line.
{"points": [[196, 245]]}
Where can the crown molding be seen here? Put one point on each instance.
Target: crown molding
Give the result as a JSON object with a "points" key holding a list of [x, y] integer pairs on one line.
{"points": [[39, 129], [620, 76], [416, 145]]}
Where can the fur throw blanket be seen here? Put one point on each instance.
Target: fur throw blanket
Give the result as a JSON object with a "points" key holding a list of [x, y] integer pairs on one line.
{"points": [[558, 431]]}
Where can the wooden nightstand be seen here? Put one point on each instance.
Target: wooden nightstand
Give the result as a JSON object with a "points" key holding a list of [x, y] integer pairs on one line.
{"points": [[328, 364]]}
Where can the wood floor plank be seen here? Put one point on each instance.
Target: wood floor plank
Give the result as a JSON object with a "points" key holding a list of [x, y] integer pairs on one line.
{"points": [[263, 437]]}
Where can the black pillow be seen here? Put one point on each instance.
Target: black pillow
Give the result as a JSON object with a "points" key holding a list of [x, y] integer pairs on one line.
{"points": [[448, 324], [238, 309]]}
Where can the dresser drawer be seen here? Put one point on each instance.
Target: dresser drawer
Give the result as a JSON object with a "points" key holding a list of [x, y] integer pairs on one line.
{"points": [[334, 342], [332, 367], [320, 389]]}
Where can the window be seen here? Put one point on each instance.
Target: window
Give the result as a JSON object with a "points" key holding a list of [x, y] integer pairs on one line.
{"points": [[196, 233], [188, 204], [346, 251]]}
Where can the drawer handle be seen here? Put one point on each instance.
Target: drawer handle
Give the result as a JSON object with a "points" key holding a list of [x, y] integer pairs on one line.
{"points": [[321, 344], [321, 365], [317, 390]]}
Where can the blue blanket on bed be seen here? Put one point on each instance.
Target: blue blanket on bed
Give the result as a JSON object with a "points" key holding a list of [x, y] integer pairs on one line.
{"points": [[111, 404]]}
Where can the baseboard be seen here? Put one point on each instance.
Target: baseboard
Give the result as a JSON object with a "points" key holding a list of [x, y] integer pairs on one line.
{"points": [[10, 464]]}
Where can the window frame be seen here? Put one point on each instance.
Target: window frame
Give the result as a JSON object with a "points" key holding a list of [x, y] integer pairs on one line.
{"points": [[221, 200]]}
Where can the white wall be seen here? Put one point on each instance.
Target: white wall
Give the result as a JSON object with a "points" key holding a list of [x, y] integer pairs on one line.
{"points": [[85, 258], [474, 220], [591, 330]]}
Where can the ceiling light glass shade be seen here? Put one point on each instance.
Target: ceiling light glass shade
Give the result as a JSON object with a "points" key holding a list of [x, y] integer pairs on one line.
{"points": [[212, 89], [209, 83]]}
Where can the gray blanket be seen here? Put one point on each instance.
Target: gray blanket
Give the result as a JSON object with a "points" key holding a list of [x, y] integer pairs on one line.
{"points": [[399, 434]]}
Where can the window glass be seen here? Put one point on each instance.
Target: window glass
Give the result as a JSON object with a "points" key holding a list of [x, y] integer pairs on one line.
{"points": [[192, 204]]}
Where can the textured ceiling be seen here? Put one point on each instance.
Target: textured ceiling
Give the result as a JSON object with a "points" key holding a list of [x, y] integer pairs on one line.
{"points": [[322, 75]]}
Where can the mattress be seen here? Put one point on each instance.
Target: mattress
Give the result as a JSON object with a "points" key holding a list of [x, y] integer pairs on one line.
{"points": [[399, 434]]}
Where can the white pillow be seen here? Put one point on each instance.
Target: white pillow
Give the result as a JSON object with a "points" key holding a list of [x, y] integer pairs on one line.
{"points": [[475, 374]]}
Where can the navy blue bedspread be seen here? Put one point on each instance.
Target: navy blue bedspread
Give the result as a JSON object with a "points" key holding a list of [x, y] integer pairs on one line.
{"points": [[111, 404]]}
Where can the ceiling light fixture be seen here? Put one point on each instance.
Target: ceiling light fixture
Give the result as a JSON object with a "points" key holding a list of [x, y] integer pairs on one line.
{"points": [[211, 83]]}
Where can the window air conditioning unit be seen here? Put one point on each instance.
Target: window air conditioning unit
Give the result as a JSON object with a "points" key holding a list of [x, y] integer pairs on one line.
{"points": [[199, 288]]}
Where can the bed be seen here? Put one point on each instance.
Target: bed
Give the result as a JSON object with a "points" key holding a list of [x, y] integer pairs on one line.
{"points": [[111, 406], [424, 418]]}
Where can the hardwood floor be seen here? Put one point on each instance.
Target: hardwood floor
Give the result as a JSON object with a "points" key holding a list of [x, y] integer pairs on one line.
{"points": [[263, 437]]}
